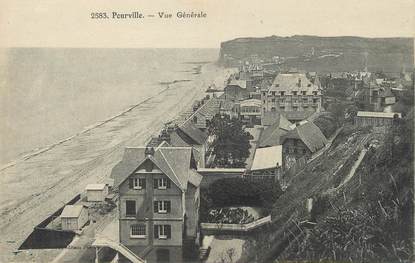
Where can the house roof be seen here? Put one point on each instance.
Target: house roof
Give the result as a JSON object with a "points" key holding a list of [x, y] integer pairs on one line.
{"points": [[193, 132], [271, 117], [174, 162], [289, 82], [95, 187], [72, 211], [373, 114], [310, 134], [386, 93], [267, 158], [297, 115], [271, 136]]}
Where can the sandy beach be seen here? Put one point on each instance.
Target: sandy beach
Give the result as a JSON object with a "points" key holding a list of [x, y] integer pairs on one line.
{"points": [[35, 187]]}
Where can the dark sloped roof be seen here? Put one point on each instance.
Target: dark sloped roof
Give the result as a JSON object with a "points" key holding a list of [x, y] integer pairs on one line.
{"points": [[309, 134], [193, 132], [297, 115], [271, 117], [271, 135], [174, 162]]}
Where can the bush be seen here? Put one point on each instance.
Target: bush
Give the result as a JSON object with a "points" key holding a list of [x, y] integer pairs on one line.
{"points": [[240, 191]]}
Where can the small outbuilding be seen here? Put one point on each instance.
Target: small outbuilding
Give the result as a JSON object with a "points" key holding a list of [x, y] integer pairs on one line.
{"points": [[96, 192], [74, 217]]}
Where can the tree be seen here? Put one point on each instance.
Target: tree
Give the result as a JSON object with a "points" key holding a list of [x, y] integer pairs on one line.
{"points": [[231, 145]]}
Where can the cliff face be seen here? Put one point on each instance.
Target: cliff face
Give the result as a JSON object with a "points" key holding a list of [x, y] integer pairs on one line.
{"points": [[324, 53]]}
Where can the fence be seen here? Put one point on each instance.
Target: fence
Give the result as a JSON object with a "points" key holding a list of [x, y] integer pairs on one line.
{"points": [[236, 227]]}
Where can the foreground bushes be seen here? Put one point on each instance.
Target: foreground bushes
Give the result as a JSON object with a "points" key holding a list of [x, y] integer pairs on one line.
{"points": [[239, 191]]}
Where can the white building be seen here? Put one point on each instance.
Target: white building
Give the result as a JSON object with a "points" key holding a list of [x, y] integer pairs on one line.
{"points": [[96, 192], [74, 217]]}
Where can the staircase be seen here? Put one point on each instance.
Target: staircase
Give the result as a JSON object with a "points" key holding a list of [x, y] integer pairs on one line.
{"points": [[120, 248]]}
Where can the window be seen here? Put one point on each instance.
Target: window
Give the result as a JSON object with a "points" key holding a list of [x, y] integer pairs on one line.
{"points": [[138, 231], [162, 207], [314, 92], [277, 85], [273, 100], [162, 231], [130, 208], [161, 183], [315, 100], [303, 92], [282, 93], [138, 183], [281, 100], [273, 109], [273, 93], [295, 93]]}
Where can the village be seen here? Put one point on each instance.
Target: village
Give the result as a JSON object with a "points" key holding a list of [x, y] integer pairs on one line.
{"points": [[213, 173]]}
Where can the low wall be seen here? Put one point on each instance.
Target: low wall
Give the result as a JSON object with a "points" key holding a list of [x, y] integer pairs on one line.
{"points": [[234, 228]]}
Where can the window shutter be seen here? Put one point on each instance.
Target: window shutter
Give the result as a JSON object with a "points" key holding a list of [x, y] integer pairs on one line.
{"points": [[143, 183], [156, 207], [156, 231], [168, 183], [131, 183], [168, 206], [155, 183], [167, 230]]}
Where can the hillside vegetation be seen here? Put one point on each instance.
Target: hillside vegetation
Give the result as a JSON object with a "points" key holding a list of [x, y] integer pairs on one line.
{"points": [[330, 53], [365, 218]]}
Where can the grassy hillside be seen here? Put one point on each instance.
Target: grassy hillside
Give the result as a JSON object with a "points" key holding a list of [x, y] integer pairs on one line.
{"points": [[330, 53], [367, 219]]}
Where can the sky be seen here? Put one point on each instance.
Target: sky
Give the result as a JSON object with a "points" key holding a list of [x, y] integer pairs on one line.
{"points": [[67, 23]]}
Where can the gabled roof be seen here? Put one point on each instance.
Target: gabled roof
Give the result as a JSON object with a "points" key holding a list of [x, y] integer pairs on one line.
{"points": [[272, 117], [193, 132], [72, 211], [267, 158], [174, 162], [271, 136], [310, 134]]}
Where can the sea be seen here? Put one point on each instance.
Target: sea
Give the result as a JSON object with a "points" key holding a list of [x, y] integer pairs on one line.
{"points": [[49, 94]]}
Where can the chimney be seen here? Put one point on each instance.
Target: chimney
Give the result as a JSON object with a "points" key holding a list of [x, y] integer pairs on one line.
{"points": [[164, 136], [149, 151], [299, 82]]}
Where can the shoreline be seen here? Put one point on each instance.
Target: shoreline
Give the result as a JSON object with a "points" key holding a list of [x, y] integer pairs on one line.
{"points": [[88, 157]]}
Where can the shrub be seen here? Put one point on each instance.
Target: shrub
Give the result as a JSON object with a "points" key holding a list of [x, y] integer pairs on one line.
{"points": [[240, 191]]}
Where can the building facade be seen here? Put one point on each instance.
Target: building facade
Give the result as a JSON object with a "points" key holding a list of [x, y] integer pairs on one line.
{"points": [[292, 92], [158, 201]]}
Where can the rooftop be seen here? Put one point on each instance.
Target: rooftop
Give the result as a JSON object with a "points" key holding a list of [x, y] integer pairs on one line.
{"points": [[72, 211], [95, 187], [174, 162], [290, 82], [310, 134], [267, 158]]}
